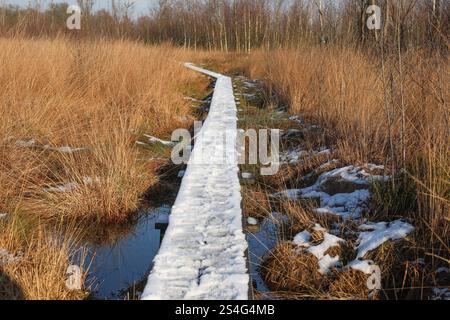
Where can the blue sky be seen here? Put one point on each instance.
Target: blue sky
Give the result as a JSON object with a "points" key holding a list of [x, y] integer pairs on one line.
{"points": [[140, 7]]}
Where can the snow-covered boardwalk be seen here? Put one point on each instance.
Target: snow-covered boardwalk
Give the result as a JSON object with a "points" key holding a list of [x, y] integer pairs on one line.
{"points": [[202, 255]]}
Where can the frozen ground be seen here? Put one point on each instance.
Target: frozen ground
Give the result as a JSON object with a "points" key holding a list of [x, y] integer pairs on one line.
{"points": [[349, 206], [202, 255], [342, 192]]}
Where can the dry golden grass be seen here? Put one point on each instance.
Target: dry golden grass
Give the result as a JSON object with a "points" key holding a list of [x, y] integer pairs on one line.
{"points": [[96, 95], [394, 116], [344, 89], [43, 258], [256, 203], [349, 284], [100, 96], [288, 269], [292, 273]]}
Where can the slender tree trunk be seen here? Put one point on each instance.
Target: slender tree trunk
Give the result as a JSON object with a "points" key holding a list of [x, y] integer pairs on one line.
{"points": [[362, 21], [321, 17], [402, 97], [387, 21], [387, 110]]}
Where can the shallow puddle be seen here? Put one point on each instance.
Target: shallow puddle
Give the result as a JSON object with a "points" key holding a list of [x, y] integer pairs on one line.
{"points": [[260, 243], [124, 262]]}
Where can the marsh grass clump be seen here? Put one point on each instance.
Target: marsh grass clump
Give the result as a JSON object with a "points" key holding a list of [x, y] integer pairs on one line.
{"points": [[349, 285], [39, 261], [288, 269], [294, 272]]}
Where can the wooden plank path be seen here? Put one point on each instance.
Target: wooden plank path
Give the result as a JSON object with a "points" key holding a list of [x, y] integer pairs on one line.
{"points": [[203, 253]]}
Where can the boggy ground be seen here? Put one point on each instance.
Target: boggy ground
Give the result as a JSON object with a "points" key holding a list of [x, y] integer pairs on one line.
{"points": [[69, 156], [319, 228]]}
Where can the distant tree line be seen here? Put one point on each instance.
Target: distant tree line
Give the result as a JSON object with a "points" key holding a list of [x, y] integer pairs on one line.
{"points": [[242, 25]]}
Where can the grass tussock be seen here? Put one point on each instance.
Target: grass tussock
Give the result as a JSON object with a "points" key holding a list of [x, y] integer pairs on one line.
{"points": [[40, 261], [288, 269], [349, 285]]}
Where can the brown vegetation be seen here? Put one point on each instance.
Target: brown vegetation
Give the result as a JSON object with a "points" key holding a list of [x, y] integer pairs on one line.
{"points": [[39, 269], [242, 25], [100, 97], [398, 118], [378, 96], [97, 96]]}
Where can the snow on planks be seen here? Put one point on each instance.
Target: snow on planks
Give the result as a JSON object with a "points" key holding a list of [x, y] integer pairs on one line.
{"points": [[202, 255]]}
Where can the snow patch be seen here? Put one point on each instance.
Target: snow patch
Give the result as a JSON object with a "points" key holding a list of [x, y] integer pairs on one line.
{"points": [[194, 100], [32, 143], [296, 119], [323, 152], [7, 258], [365, 266], [153, 139], [381, 232], [346, 205], [326, 262], [71, 186], [293, 156], [419, 262], [67, 150], [252, 221], [63, 188], [291, 133], [296, 155], [302, 239], [443, 270], [247, 175], [250, 84], [26, 143], [441, 294]]}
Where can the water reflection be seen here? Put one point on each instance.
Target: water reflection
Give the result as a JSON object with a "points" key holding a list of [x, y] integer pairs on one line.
{"points": [[125, 261]]}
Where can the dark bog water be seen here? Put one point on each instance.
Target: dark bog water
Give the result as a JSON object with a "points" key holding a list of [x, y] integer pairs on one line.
{"points": [[124, 261]]}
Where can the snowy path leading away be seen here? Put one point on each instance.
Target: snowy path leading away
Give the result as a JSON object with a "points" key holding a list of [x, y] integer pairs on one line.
{"points": [[202, 255]]}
